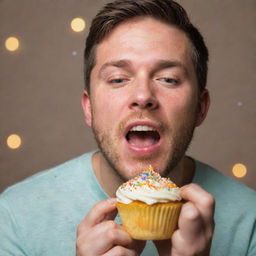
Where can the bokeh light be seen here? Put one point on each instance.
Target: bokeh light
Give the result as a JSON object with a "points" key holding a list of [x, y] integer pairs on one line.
{"points": [[12, 43], [239, 170], [14, 141], [78, 24]]}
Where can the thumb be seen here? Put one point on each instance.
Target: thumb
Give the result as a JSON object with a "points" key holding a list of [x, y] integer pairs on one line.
{"points": [[111, 214]]}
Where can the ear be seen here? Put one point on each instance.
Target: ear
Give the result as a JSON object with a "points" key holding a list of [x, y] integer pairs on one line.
{"points": [[203, 105], [86, 104]]}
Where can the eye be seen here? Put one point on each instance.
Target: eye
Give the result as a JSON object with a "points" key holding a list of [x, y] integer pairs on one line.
{"points": [[169, 80], [117, 80]]}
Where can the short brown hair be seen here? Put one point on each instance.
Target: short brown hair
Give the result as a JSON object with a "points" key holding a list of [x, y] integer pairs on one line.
{"points": [[167, 11]]}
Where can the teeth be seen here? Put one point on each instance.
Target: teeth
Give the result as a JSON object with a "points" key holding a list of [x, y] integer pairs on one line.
{"points": [[140, 128]]}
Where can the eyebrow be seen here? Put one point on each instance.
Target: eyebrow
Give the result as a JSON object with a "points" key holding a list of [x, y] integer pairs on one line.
{"points": [[159, 65], [115, 63], [163, 64]]}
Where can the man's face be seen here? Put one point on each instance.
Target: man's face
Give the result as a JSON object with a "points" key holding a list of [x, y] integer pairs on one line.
{"points": [[143, 104]]}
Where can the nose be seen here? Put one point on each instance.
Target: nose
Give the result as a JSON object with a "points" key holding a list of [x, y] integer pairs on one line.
{"points": [[143, 95]]}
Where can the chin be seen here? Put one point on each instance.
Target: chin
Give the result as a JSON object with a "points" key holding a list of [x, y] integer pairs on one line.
{"points": [[135, 167], [132, 171]]}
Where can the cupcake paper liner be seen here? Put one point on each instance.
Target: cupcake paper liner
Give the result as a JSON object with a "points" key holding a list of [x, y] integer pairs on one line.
{"points": [[149, 222]]}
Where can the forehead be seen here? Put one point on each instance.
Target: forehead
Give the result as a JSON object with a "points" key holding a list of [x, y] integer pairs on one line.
{"points": [[144, 39]]}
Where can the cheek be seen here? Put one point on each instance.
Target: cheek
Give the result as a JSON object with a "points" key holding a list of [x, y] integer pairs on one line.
{"points": [[180, 105], [107, 108]]}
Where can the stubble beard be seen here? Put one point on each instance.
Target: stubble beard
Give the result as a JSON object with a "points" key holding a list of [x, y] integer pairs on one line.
{"points": [[178, 144]]}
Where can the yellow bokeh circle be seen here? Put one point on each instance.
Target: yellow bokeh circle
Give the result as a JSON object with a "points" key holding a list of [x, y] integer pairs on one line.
{"points": [[78, 24], [12, 43], [14, 141], [239, 170]]}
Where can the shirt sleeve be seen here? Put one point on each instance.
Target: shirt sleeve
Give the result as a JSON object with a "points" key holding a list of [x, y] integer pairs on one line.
{"points": [[11, 242]]}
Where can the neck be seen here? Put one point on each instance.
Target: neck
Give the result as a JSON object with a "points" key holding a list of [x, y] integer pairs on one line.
{"points": [[109, 180], [184, 172], [106, 176]]}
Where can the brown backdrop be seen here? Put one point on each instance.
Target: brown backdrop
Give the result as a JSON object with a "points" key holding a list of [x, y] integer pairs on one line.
{"points": [[42, 82]]}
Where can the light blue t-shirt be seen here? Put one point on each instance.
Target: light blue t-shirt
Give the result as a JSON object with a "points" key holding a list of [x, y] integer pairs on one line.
{"points": [[40, 215]]}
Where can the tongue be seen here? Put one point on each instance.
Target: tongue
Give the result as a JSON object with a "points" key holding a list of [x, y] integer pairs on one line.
{"points": [[143, 139]]}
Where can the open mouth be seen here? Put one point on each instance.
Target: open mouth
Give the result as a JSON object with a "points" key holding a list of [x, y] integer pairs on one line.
{"points": [[142, 136]]}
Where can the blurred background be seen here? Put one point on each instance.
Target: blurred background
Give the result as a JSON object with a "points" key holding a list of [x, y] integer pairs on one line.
{"points": [[41, 83]]}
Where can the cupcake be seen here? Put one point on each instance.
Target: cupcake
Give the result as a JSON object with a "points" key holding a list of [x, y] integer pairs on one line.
{"points": [[149, 206]]}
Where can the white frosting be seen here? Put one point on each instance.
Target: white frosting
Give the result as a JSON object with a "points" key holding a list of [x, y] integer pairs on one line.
{"points": [[147, 196], [149, 187]]}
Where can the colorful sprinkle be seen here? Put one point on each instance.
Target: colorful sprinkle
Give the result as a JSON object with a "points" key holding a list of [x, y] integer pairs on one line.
{"points": [[149, 179]]}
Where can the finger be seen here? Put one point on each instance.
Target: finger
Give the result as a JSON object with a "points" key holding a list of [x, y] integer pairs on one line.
{"points": [[196, 246], [103, 210], [119, 250], [195, 222], [102, 237], [190, 222], [204, 201], [112, 233], [189, 238], [180, 246]]}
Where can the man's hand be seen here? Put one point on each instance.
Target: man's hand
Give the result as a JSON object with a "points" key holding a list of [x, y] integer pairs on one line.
{"points": [[98, 234], [195, 226]]}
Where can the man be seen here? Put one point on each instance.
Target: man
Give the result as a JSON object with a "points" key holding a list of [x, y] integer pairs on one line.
{"points": [[145, 73]]}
